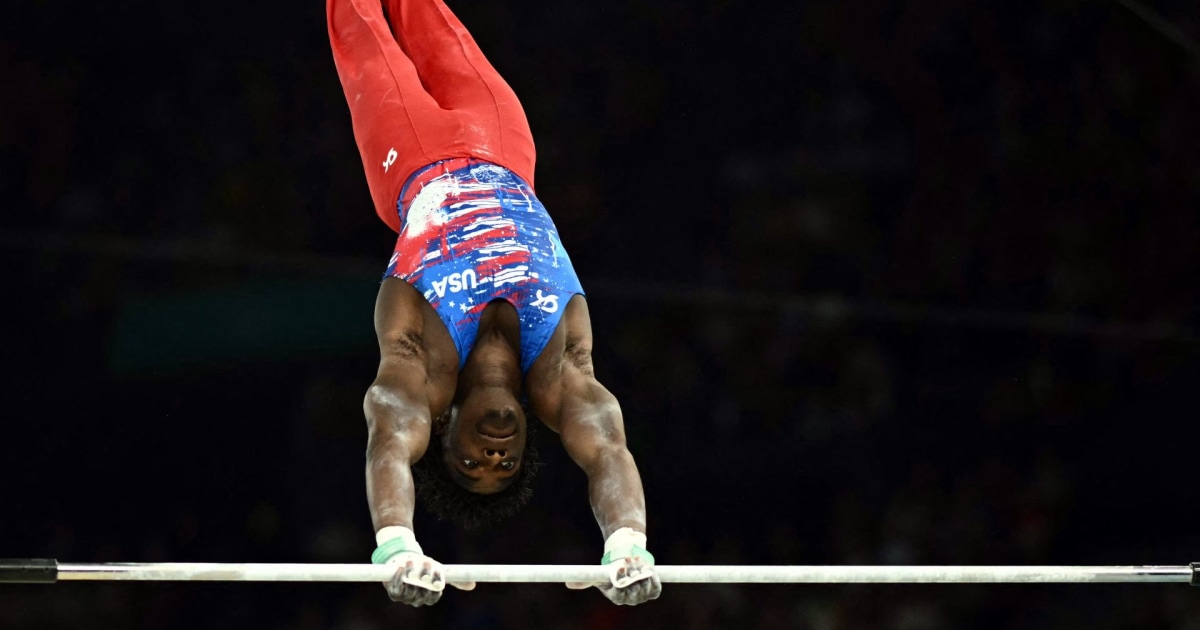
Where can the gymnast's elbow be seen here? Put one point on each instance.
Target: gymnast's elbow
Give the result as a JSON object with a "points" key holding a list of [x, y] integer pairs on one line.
{"points": [[386, 447], [391, 414]]}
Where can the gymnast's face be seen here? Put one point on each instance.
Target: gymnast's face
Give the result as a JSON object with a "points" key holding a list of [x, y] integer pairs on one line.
{"points": [[485, 440]]}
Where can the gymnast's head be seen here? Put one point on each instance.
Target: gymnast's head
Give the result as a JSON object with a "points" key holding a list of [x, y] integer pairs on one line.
{"points": [[480, 461]]}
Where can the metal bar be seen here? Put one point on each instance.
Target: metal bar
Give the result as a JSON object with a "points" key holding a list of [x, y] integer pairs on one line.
{"points": [[597, 574], [28, 571]]}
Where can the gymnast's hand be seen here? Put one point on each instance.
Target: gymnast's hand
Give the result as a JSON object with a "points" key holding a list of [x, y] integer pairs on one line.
{"points": [[419, 580], [631, 575]]}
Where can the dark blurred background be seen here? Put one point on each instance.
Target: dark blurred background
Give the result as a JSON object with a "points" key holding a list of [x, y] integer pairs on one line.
{"points": [[876, 282]]}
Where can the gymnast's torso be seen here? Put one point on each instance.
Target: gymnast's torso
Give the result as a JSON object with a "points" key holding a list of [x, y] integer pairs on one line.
{"points": [[472, 234]]}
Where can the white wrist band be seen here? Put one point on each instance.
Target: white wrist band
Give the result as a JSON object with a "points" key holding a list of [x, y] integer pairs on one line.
{"points": [[623, 539], [393, 532]]}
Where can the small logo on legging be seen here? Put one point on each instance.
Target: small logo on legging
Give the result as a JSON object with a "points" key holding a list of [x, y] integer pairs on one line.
{"points": [[391, 159]]}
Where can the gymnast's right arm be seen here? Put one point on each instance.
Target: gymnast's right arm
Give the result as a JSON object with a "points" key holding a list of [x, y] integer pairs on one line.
{"points": [[398, 423]]}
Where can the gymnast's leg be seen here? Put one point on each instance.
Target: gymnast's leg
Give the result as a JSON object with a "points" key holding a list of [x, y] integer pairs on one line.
{"points": [[398, 126], [459, 77]]}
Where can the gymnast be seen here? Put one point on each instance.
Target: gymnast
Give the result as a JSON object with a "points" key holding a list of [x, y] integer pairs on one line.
{"points": [[481, 320]]}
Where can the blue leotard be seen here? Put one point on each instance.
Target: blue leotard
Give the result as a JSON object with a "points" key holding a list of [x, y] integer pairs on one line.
{"points": [[474, 232]]}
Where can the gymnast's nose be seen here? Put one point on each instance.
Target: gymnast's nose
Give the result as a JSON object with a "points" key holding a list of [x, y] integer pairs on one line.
{"points": [[494, 453]]}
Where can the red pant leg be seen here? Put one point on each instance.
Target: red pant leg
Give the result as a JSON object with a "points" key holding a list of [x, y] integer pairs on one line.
{"points": [[399, 125], [459, 77]]}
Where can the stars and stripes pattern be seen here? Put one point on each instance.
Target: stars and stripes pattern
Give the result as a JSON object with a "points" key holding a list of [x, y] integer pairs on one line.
{"points": [[476, 233]]}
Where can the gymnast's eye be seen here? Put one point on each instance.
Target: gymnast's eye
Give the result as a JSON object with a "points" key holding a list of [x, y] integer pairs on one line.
{"points": [[508, 465], [470, 464]]}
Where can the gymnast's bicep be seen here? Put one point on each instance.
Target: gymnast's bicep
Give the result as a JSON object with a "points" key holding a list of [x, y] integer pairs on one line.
{"points": [[398, 398]]}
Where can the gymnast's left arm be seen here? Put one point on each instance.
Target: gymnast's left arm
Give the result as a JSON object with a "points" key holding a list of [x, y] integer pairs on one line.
{"points": [[593, 433]]}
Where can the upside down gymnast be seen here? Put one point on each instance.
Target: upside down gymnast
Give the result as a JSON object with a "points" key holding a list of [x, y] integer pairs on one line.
{"points": [[480, 315]]}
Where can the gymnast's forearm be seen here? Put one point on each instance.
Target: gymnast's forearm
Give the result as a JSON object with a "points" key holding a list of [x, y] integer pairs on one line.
{"points": [[390, 491], [615, 490], [398, 436]]}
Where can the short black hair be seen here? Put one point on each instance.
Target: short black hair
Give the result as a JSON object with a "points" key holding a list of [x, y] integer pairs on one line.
{"points": [[449, 501]]}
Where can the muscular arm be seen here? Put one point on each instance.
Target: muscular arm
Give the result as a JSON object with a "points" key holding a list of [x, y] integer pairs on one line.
{"points": [[399, 407], [565, 393], [397, 410], [399, 426], [593, 434], [567, 397]]}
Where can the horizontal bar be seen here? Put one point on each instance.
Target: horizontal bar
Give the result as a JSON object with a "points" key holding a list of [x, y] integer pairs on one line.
{"points": [[28, 571], [667, 573]]}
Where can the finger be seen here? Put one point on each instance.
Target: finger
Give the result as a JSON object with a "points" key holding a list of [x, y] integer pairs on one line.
{"points": [[638, 592], [655, 588], [614, 595], [633, 572], [417, 585], [628, 580], [402, 573], [395, 585], [633, 593], [646, 591], [579, 586], [463, 586], [415, 596], [430, 574], [396, 590], [404, 595], [423, 577], [637, 575], [439, 580], [618, 575]]}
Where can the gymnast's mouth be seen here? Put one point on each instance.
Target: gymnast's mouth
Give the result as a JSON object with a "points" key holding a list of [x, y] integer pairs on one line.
{"points": [[496, 435]]}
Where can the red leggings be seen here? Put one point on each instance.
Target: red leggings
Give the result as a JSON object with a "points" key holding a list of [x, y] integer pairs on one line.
{"points": [[420, 90]]}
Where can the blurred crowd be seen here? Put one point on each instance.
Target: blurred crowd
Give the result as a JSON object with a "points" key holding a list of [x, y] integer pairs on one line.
{"points": [[875, 283]]}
